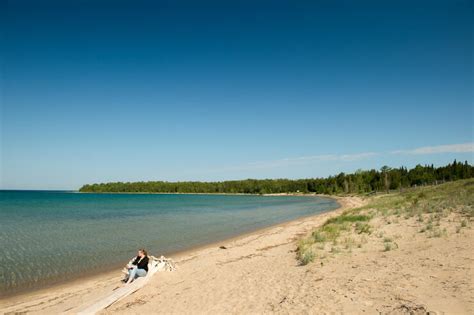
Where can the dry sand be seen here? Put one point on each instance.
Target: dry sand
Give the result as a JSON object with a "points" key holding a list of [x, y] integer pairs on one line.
{"points": [[258, 273]]}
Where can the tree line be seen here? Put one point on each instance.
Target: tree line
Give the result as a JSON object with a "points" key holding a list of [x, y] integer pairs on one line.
{"points": [[361, 181]]}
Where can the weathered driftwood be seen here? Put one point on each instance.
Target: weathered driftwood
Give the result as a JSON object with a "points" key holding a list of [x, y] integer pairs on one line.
{"points": [[155, 264], [169, 263]]}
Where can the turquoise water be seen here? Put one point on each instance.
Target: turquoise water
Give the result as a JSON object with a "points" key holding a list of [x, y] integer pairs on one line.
{"points": [[49, 236]]}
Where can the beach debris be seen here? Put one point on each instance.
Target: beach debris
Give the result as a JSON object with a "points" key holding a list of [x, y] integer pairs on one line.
{"points": [[222, 247], [167, 263], [410, 308]]}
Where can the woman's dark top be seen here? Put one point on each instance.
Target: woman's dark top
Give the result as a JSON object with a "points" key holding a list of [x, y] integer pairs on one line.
{"points": [[141, 264]]}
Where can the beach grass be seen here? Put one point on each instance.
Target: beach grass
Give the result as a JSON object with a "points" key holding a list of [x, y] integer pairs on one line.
{"points": [[429, 207]]}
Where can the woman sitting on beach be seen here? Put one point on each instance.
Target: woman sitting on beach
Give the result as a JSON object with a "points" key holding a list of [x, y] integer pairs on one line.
{"points": [[138, 267]]}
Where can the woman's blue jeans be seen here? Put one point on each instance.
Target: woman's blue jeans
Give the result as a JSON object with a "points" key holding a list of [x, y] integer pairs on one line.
{"points": [[135, 273]]}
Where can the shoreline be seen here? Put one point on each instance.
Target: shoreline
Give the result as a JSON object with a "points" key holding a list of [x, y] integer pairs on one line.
{"points": [[177, 256], [296, 194]]}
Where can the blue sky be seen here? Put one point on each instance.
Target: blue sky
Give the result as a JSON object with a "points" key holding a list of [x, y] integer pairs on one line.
{"points": [[96, 91]]}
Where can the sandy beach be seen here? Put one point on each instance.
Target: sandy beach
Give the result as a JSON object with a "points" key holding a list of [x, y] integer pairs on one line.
{"points": [[258, 273]]}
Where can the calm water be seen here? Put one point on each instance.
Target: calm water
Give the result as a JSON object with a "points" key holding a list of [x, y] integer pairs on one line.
{"points": [[49, 236]]}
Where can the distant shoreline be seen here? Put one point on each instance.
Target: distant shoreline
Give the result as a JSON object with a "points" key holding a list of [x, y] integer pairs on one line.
{"points": [[385, 179], [208, 194]]}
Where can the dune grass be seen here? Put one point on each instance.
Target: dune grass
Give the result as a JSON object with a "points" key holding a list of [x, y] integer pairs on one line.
{"points": [[428, 206]]}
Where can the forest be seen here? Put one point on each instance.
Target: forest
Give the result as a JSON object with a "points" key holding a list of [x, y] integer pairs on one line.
{"points": [[362, 181]]}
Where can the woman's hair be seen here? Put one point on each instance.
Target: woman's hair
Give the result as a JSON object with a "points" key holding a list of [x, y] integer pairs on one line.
{"points": [[143, 251]]}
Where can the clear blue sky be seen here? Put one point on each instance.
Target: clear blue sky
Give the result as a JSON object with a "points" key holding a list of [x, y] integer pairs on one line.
{"points": [[96, 91]]}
